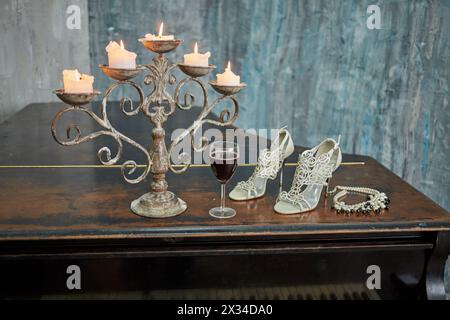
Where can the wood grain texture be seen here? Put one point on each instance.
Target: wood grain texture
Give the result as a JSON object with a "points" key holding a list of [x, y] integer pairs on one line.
{"points": [[89, 203], [314, 66]]}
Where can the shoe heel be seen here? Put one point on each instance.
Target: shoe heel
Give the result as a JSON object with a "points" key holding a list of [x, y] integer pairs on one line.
{"points": [[327, 189], [327, 192], [280, 183]]}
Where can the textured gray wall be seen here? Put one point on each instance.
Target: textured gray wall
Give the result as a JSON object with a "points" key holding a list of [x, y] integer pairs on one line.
{"points": [[315, 66], [35, 46]]}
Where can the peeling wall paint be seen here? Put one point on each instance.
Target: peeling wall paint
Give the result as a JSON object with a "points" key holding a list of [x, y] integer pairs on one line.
{"points": [[315, 66], [35, 46]]}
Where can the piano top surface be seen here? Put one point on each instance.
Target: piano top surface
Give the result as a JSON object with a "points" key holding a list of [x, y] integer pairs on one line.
{"points": [[92, 202]]}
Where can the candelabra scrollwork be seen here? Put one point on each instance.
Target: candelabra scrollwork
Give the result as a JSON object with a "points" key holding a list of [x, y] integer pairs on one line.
{"points": [[104, 154], [189, 98], [159, 202], [160, 75], [226, 118]]}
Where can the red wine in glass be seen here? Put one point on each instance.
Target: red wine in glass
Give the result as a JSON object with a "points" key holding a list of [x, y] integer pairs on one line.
{"points": [[223, 156], [224, 164]]}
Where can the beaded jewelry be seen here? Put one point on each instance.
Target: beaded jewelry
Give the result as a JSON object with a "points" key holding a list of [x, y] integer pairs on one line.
{"points": [[376, 201]]}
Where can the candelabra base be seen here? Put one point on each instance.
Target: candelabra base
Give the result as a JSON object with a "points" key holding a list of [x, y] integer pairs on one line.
{"points": [[158, 205]]}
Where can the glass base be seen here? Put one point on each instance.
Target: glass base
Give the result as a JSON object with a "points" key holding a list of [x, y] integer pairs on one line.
{"points": [[222, 213]]}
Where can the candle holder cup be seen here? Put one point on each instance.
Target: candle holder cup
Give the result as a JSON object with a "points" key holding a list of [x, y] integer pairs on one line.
{"points": [[121, 74], [196, 71], [158, 106], [76, 99], [227, 90], [160, 46]]}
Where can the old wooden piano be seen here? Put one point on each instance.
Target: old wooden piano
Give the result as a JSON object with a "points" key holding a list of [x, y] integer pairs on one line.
{"points": [[59, 208]]}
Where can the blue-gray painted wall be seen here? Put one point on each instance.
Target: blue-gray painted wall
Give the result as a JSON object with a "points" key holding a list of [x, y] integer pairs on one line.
{"points": [[34, 47], [315, 66]]}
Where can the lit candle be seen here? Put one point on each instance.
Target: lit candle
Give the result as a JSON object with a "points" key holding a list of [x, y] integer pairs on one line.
{"points": [[119, 57], [197, 59], [228, 78], [74, 82], [159, 37]]}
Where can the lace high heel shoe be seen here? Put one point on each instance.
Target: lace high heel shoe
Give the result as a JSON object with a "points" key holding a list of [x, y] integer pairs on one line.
{"points": [[269, 163], [314, 170]]}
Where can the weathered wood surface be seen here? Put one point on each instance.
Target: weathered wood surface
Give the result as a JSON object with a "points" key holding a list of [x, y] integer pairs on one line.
{"points": [[93, 203]]}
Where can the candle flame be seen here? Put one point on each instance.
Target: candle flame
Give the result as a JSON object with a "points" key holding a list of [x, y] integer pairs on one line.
{"points": [[161, 29], [121, 44], [229, 65], [196, 48]]}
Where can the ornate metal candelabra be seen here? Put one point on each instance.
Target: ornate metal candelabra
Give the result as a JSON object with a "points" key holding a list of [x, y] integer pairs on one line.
{"points": [[158, 105]]}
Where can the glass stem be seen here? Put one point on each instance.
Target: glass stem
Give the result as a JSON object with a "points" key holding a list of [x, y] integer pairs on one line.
{"points": [[222, 196]]}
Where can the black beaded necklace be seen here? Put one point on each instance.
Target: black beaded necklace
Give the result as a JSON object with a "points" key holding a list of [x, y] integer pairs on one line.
{"points": [[375, 203]]}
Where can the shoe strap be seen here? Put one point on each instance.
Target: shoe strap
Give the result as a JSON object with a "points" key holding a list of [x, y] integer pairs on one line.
{"points": [[312, 169], [269, 162]]}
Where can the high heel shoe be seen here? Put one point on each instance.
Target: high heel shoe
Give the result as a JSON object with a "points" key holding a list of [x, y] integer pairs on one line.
{"points": [[314, 169], [269, 163]]}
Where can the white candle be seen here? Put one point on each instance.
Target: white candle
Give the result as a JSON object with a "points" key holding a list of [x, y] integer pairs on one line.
{"points": [[120, 58], [159, 37], [197, 59], [228, 78], [74, 82]]}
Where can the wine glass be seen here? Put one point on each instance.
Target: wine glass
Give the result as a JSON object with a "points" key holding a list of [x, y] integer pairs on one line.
{"points": [[223, 156]]}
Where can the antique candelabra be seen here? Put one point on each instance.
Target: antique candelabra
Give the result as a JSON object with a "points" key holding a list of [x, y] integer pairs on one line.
{"points": [[158, 105]]}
